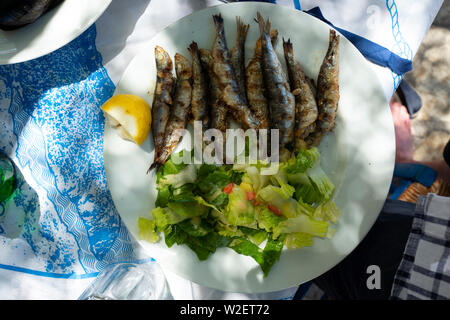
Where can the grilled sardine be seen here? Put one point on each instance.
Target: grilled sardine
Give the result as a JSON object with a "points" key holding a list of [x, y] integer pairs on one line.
{"points": [[279, 97], [328, 85], [180, 110], [238, 57], [199, 101], [218, 110], [305, 101], [255, 85], [162, 100], [230, 92]]}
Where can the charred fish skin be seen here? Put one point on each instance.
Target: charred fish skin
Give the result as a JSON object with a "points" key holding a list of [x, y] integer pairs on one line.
{"points": [[199, 102], [280, 99], [219, 114], [218, 110], [162, 100], [238, 56], [255, 85], [180, 110], [223, 69], [306, 111], [255, 93], [328, 85], [313, 139]]}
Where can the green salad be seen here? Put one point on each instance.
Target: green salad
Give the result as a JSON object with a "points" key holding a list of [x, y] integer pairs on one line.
{"points": [[206, 206]]}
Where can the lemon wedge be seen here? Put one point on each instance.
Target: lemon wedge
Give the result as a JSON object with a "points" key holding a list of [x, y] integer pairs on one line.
{"points": [[130, 115]]}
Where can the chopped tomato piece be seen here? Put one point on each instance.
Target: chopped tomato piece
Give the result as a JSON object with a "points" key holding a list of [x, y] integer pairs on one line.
{"points": [[274, 209], [250, 195], [228, 188], [255, 202]]}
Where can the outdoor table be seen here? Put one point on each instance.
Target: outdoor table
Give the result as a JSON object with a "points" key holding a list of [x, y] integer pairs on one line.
{"points": [[61, 228]]}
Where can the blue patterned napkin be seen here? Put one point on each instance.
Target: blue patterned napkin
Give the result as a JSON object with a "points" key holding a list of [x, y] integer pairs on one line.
{"points": [[52, 127]]}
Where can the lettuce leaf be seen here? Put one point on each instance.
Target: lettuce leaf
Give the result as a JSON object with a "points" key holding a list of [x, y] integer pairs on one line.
{"points": [[266, 219], [188, 209], [298, 240], [281, 179], [302, 223], [255, 178], [321, 181], [328, 211], [203, 246], [187, 175], [305, 159], [174, 235], [240, 211], [289, 206], [211, 181], [196, 227], [266, 257], [227, 230], [254, 235], [165, 217], [164, 196], [311, 183], [169, 167], [147, 230], [308, 193], [298, 178], [271, 254], [248, 248]]}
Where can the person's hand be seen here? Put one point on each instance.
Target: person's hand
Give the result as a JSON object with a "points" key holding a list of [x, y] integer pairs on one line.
{"points": [[403, 137], [404, 151]]}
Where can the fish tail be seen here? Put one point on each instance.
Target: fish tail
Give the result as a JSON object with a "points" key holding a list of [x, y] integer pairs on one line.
{"points": [[160, 159], [287, 46], [242, 29], [273, 36], [260, 20], [218, 22], [155, 165], [193, 48], [264, 26], [333, 42], [333, 35]]}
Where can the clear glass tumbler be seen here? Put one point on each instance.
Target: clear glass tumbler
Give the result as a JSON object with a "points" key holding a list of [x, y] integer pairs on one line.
{"points": [[129, 281]]}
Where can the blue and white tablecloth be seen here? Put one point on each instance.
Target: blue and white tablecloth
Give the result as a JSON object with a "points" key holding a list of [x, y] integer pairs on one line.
{"points": [[62, 228]]}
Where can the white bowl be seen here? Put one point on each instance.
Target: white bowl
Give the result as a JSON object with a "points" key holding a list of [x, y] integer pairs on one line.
{"points": [[51, 31]]}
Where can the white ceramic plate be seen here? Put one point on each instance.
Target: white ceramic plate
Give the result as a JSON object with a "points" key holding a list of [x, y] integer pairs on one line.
{"points": [[358, 155], [51, 31]]}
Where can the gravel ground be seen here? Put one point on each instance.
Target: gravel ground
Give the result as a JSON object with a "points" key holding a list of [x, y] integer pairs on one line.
{"points": [[431, 79]]}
